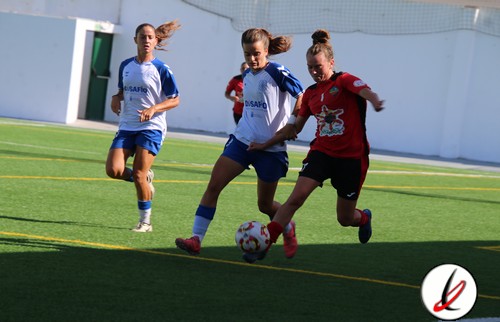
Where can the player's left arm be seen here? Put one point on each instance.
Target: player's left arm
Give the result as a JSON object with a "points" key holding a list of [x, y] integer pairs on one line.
{"points": [[373, 98]]}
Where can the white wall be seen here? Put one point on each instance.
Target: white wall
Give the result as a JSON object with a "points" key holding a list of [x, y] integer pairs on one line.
{"points": [[41, 63], [440, 89], [480, 129], [36, 56]]}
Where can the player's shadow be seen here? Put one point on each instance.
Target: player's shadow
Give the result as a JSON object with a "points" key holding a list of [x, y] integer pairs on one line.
{"points": [[44, 280]]}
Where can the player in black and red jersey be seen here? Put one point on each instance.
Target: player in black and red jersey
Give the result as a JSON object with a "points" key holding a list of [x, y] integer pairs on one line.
{"points": [[236, 85], [340, 150]]}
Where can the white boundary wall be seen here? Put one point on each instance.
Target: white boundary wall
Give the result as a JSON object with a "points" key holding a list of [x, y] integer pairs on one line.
{"points": [[441, 90], [42, 65]]}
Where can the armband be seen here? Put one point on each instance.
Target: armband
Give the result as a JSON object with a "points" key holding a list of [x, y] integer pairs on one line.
{"points": [[291, 120]]}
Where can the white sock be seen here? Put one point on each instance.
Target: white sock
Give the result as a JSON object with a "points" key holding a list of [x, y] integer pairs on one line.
{"points": [[200, 226], [145, 216], [287, 228]]}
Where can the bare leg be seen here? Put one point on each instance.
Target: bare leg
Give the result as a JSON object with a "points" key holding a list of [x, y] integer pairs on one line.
{"points": [[116, 164], [223, 172], [303, 188], [143, 161], [265, 198], [347, 215]]}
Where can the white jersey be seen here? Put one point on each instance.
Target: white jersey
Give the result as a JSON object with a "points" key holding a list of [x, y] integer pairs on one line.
{"points": [[267, 95], [144, 85]]}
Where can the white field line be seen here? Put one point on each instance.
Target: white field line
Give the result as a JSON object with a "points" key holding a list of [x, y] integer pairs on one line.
{"points": [[442, 174], [424, 173], [21, 124]]}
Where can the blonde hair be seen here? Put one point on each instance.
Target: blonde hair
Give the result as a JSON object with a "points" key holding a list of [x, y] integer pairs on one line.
{"points": [[274, 45], [163, 32], [321, 44]]}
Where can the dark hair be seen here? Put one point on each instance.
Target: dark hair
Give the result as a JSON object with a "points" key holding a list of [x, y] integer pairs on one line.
{"points": [[321, 44], [274, 45], [163, 32]]}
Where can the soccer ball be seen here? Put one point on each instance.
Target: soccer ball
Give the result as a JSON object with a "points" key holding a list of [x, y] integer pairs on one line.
{"points": [[252, 237]]}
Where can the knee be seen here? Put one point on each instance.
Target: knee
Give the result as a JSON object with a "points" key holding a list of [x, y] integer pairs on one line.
{"points": [[213, 188], [112, 172], [266, 208]]}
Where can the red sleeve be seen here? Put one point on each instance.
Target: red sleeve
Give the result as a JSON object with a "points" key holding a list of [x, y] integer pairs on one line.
{"points": [[231, 85], [352, 83]]}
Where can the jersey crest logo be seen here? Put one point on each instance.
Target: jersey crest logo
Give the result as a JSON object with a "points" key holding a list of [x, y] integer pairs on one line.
{"points": [[329, 122], [334, 90]]}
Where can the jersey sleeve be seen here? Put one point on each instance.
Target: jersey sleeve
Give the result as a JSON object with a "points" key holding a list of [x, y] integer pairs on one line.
{"points": [[168, 83], [286, 81], [231, 85], [304, 110], [352, 83], [120, 72]]}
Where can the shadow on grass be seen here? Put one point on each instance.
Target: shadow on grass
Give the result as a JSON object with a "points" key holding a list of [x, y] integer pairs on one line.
{"points": [[52, 155], [60, 222], [51, 281]]}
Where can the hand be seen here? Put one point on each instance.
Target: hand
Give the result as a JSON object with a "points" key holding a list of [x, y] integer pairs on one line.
{"points": [[255, 146], [234, 99], [146, 114], [116, 105], [378, 105], [289, 132]]}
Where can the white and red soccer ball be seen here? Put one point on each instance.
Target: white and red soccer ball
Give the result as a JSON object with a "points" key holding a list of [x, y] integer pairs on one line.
{"points": [[252, 237]]}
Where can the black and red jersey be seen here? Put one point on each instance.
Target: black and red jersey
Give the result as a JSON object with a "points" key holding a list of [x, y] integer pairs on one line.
{"points": [[236, 85], [340, 113]]}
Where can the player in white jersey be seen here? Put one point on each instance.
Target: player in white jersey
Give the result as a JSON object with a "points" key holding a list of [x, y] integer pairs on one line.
{"points": [[267, 91], [148, 89]]}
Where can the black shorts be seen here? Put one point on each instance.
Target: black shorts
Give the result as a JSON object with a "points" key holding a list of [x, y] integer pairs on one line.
{"points": [[346, 175]]}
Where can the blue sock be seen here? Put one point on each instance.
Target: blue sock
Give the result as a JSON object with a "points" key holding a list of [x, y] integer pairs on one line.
{"points": [[131, 178]]}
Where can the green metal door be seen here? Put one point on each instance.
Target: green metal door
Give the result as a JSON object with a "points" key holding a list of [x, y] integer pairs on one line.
{"points": [[99, 76]]}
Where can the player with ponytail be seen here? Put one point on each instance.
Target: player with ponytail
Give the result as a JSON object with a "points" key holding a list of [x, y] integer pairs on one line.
{"points": [[267, 92], [340, 149], [147, 88]]}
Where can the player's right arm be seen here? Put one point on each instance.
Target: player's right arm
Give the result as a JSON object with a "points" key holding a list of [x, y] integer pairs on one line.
{"points": [[116, 104], [373, 98], [231, 86]]}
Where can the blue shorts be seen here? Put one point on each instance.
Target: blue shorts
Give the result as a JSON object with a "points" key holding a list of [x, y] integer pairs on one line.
{"points": [[150, 140], [269, 166]]}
